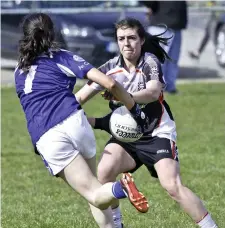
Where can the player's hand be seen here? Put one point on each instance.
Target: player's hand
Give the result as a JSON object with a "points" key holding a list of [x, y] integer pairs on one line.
{"points": [[102, 123], [108, 96], [139, 117]]}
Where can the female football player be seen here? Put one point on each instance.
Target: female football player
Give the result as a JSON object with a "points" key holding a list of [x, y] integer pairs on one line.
{"points": [[138, 69], [45, 78]]}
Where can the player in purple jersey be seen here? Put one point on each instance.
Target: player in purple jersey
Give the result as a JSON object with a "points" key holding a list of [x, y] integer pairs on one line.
{"points": [[138, 69], [45, 78]]}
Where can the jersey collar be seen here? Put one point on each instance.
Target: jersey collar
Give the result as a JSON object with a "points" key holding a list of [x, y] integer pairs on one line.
{"points": [[120, 61]]}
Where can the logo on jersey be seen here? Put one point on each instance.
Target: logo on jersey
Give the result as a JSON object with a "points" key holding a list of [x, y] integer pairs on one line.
{"points": [[142, 115], [141, 85], [78, 58], [83, 65]]}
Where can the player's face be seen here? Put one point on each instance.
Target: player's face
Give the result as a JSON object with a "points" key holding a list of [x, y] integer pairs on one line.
{"points": [[129, 43]]}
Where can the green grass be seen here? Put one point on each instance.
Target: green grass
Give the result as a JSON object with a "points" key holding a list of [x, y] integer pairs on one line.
{"points": [[31, 198]]}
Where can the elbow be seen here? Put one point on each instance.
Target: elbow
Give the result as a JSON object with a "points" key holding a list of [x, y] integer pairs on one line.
{"points": [[154, 95], [155, 98]]}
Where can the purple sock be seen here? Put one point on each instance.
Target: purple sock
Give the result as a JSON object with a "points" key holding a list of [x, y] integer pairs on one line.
{"points": [[118, 191]]}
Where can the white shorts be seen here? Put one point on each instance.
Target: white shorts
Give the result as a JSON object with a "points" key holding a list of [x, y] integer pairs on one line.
{"points": [[62, 143]]}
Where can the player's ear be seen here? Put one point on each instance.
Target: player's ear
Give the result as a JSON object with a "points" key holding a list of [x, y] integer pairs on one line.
{"points": [[142, 41]]}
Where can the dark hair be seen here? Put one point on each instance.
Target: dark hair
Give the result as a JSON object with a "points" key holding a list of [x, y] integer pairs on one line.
{"points": [[152, 42], [38, 37]]}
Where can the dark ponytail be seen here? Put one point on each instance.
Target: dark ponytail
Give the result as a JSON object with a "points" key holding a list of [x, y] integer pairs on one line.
{"points": [[38, 38], [153, 45], [152, 42]]}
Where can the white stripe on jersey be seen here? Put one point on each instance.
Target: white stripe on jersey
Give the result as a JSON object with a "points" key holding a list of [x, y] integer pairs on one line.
{"points": [[29, 79], [66, 70]]}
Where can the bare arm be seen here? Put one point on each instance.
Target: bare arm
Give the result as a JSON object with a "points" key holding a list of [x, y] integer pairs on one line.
{"points": [[150, 94], [110, 84], [85, 94]]}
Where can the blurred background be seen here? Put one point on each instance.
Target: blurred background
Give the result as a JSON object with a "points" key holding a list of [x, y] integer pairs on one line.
{"points": [[86, 28]]}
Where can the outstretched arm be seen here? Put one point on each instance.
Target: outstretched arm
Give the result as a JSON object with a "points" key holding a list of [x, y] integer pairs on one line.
{"points": [[117, 90], [112, 86], [85, 94]]}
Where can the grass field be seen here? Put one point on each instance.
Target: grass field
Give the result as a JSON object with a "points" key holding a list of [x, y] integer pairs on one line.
{"points": [[31, 198]]}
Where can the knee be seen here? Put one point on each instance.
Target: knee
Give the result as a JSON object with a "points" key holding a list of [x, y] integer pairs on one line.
{"points": [[106, 173], [97, 202], [173, 188], [101, 198]]}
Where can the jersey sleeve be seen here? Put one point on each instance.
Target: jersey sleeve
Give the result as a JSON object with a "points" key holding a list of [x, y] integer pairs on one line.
{"points": [[153, 70], [72, 65]]}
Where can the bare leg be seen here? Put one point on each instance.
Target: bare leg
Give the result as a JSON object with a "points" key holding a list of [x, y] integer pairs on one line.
{"points": [[114, 160], [169, 176], [80, 177], [196, 54], [103, 218]]}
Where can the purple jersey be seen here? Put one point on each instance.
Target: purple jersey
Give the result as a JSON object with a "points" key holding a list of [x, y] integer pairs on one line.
{"points": [[46, 90]]}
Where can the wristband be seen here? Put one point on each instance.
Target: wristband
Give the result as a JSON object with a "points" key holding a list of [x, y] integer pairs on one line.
{"points": [[98, 123], [103, 123], [133, 110]]}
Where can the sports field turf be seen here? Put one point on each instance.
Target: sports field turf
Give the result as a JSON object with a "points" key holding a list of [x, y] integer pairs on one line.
{"points": [[31, 198]]}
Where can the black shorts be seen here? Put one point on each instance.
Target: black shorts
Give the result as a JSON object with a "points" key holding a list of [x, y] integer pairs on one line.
{"points": [[149, 151]]}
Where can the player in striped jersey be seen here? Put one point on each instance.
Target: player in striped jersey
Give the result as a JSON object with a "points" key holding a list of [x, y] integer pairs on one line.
{"points": [[138, 69], [45, 78]]}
